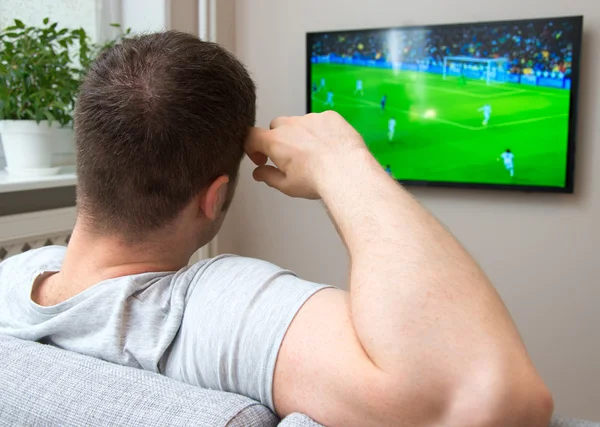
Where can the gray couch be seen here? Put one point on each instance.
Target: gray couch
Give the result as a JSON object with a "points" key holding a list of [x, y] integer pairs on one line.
{"points": [[45, 386]]}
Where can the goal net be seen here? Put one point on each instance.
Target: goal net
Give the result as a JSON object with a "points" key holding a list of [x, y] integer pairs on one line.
{"points": [[490, 70]]}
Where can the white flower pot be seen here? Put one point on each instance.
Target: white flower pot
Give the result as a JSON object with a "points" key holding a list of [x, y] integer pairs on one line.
{"points": [[64, 146], [28, 147]]}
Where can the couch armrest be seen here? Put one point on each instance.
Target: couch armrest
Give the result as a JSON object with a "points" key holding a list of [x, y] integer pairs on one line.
{"points": [[558, 421], [42, 385]]}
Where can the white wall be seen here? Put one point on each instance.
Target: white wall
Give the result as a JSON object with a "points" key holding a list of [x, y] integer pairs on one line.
{"points": [[540, 250], [146, 15], [68, 13]]}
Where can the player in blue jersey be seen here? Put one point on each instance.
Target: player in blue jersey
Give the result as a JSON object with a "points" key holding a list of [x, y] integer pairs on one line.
{"points": [[383, 102]]}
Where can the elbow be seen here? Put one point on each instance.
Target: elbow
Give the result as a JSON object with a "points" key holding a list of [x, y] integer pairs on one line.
{"points": [[511, 397]]}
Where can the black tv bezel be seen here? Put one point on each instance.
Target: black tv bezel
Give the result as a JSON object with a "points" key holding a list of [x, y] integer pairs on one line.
{"points": [[569, 186]]}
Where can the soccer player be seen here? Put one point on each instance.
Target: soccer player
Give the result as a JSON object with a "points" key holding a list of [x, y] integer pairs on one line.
{"points": [[329, 101], [359, 88], [391, 128], [388, 169], [322, 84], [487, 113], [508, 157], [383, 102]]}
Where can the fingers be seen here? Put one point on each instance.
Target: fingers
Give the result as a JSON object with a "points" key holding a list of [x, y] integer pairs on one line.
{"points": [[259, 159], [271, 176], [278, 121], [257, 144]]}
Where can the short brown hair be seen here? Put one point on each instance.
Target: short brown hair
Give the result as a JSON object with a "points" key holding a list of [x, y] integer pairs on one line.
{"points": [[158, 118]]}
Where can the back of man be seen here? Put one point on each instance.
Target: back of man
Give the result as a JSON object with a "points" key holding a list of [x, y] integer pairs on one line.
{"points": [[159, 119], [162, 123]]}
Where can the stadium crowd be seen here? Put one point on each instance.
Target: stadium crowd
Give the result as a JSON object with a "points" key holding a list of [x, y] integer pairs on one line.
{"points": [[528, 47]]}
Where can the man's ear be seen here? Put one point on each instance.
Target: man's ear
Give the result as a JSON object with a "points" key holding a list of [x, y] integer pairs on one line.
{"points": [[215, 196]]}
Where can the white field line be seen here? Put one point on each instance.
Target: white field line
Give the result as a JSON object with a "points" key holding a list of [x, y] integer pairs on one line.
{"points": [[501, 91], [527, 88], [398, 110], [521, 122], [478, 95]]}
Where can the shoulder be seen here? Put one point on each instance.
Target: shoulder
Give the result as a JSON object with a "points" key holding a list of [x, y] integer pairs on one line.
{"points": [[242, 278], [32, 262], [228, 268], [49, 258]]}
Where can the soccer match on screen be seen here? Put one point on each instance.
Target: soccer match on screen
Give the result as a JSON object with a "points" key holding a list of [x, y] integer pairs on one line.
{"points": [[478, 103]]}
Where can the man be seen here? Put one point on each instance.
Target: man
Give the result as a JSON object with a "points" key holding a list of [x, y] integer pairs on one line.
{"points": [[329, 102], [508, 158], [322, 86], [487, 113], [391, 129], [359, 88], [383, 102], [421, 339]]}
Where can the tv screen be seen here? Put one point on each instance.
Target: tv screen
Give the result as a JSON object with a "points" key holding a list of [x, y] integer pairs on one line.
{"points": [[472, 105]]}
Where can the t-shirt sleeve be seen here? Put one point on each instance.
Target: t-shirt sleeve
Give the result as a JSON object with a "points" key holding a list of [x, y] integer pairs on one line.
{"points": [[236, 316]]}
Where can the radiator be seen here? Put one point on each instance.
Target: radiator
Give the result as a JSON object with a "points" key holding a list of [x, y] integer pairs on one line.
{"points": [[22, 233], [15, 247]]}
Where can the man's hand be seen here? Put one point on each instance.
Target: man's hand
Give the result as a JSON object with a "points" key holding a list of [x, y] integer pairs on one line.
{"points": [[302, 149]]}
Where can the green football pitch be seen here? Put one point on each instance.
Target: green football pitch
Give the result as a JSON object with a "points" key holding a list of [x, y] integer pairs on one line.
{"points": [[440, 135]]}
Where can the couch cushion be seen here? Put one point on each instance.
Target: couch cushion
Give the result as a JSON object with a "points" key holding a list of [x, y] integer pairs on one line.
{"points": [[43, 385], [558, 421]]}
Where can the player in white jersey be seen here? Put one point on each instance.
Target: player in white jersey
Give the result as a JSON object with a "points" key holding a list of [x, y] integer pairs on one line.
{"points": [[487, 113], [391, 128], [322, 86], [329, 101], [508, 158], [359, 88]]}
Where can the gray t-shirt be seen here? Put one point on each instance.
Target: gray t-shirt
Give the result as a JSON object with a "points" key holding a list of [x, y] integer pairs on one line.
{"points": [[217, 324]]}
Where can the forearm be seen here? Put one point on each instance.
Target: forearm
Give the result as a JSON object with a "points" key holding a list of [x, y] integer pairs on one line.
{"points": [[415, 291]]}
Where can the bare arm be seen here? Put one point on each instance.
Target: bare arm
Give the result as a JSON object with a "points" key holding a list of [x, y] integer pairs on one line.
{"points": [[423, 338]]}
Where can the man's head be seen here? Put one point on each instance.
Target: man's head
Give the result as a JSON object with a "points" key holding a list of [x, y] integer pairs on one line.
{"points": [[160, 124]]}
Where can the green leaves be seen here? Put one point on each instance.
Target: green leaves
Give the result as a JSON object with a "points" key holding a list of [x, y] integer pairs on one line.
{"points": [[40, 78], [41, 69]]}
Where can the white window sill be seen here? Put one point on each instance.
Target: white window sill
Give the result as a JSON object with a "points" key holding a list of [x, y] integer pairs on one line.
{"points": [[65, 178]]}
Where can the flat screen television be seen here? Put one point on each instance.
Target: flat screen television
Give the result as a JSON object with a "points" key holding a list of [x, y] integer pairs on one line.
{"points": [[489, 104]]}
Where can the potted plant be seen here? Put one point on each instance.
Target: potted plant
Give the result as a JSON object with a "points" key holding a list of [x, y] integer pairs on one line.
{"points": [[40, 80], [42, 68]]}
